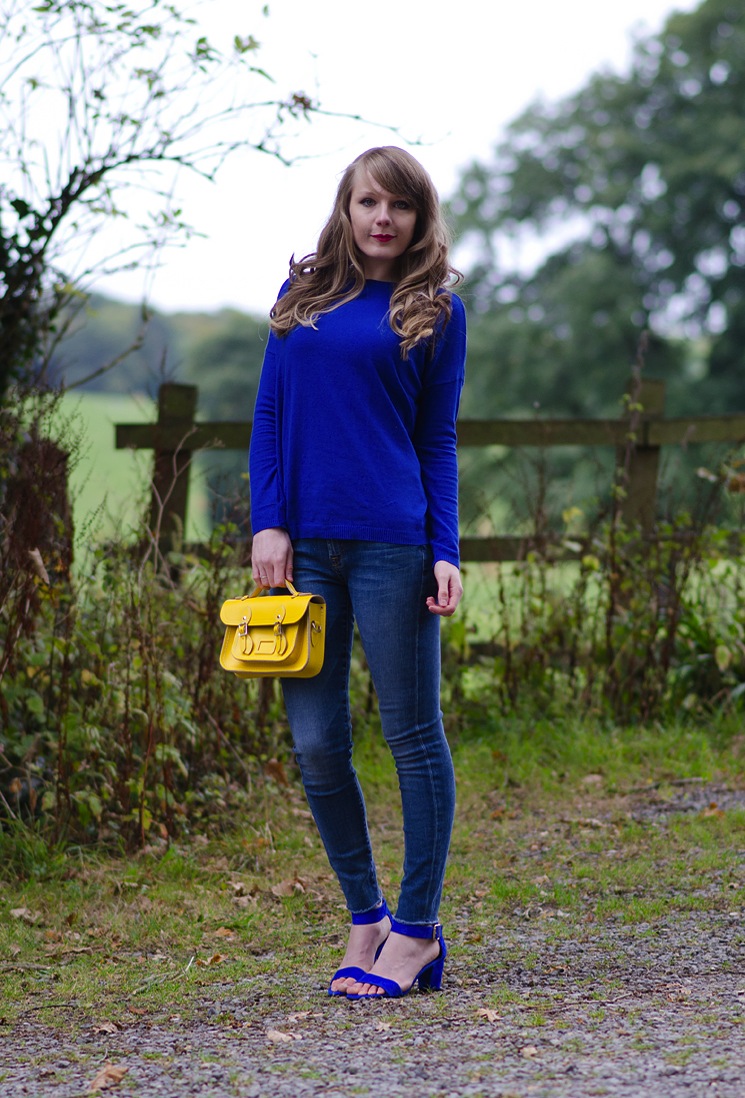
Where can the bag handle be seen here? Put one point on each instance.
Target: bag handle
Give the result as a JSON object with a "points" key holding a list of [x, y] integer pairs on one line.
{"points": [[259, 590]]}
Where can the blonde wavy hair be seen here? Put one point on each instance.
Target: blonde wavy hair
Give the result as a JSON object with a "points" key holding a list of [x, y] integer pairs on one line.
{"points": [[334, 273]]}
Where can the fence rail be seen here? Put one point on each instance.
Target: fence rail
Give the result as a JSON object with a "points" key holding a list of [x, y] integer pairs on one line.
{"points": [[637, 437]]}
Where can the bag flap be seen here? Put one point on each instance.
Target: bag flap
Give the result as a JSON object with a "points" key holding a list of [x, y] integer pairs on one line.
{"points": [[265, 609]]}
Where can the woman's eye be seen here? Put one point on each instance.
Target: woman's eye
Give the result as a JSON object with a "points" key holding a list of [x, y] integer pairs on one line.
{"points": [[402, 204], [366, 202]]}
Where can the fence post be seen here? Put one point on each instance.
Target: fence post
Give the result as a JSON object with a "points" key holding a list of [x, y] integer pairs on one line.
{"points": [[639, 462], [170, 490]]}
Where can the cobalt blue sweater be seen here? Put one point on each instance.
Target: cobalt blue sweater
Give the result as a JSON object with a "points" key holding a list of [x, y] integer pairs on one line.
{"points": [[350, 440]]}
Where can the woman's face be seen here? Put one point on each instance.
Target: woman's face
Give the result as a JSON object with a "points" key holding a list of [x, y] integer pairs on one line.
{"points": [[383, 226]]}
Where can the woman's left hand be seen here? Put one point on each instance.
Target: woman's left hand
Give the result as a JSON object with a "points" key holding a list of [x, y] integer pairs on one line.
{"points": [[449, 589]]}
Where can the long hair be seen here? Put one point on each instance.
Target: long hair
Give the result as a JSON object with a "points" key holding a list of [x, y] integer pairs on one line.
{"points": [[334, 273]]}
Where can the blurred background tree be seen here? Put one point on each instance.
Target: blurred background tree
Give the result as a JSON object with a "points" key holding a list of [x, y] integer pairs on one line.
{"points": [[624, 203]]}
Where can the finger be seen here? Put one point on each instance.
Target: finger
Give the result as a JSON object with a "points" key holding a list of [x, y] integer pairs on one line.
{"points": [[441, 611], [435, 608]]}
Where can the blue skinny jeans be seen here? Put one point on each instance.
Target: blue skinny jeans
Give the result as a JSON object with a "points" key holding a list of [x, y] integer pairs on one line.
{"points": [[383, 589]]}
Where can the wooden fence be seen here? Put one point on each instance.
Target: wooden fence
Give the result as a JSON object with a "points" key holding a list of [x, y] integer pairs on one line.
{"points": [[638, 437]]}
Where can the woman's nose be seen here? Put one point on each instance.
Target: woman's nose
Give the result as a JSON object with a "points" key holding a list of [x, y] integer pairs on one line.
{"points": [[384, 215]]}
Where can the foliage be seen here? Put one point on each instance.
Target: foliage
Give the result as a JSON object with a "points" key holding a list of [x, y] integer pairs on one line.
{"points": [[114, 700], [635, 187], [101, 105], [633, 631]]}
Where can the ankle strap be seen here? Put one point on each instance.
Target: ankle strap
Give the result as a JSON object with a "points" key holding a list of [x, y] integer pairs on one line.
{"points": [[416, 930], [373, 916]]}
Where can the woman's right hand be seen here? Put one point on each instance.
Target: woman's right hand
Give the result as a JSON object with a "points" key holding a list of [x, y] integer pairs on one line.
{"points": [[271, 557]]}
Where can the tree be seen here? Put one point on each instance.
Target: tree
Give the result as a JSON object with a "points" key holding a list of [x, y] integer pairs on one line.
{"points": [[636, 188], [101, 105]]}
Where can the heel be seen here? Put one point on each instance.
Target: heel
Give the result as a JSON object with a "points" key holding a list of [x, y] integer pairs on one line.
{"points": [[430, 977]]}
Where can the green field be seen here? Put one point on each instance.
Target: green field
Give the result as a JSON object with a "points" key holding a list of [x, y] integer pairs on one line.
{"points": [[109, 487]]}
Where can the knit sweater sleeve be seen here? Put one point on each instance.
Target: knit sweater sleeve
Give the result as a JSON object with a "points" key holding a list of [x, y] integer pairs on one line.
{"points": [[267, 499], [435, 436]]}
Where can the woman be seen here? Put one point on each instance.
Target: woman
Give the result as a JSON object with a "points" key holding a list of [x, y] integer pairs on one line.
{"points": [[354, 496]]}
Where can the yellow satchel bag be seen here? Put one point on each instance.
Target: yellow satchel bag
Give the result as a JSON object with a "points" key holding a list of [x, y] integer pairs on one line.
{"points": [[274, 635]]}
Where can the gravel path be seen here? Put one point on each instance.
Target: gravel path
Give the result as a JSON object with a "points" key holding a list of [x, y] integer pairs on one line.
{"points": [[652, 1010], [655, 1011]]}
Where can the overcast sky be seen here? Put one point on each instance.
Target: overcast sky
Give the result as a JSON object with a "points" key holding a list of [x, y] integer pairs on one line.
{"points": [[450, 75]]}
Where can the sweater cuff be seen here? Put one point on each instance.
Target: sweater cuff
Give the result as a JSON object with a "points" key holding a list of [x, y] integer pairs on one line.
{"points": [[446, 553], [265, 519]]}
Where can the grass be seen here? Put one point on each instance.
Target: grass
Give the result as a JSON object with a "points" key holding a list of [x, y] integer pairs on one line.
{"points": [[156, 932]]}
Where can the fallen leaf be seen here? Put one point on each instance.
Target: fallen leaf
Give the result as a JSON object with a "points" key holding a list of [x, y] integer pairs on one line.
{"points": [[297, 1017], [382, 1027], [108, 1076], [490, 1015], [37, 565], [106, 1027], [224, 932], [215, 959], [529, 1052], [296, 887], [712, 811], [275, 769], [24, 915], [278, 1037]]}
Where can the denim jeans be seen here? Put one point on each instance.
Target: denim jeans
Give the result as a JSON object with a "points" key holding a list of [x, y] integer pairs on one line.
{"points": [[383, 588]]}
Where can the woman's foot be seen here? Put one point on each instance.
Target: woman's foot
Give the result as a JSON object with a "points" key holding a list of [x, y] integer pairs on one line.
{"points": [[401, 960], [364, 942]]}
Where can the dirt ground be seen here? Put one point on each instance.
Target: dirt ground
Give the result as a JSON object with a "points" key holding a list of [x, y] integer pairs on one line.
{"points": [[644, 1010]]}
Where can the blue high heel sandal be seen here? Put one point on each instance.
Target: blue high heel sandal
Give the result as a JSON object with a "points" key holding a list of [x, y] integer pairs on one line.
{"points": [[429, 977], [375, 916]]}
